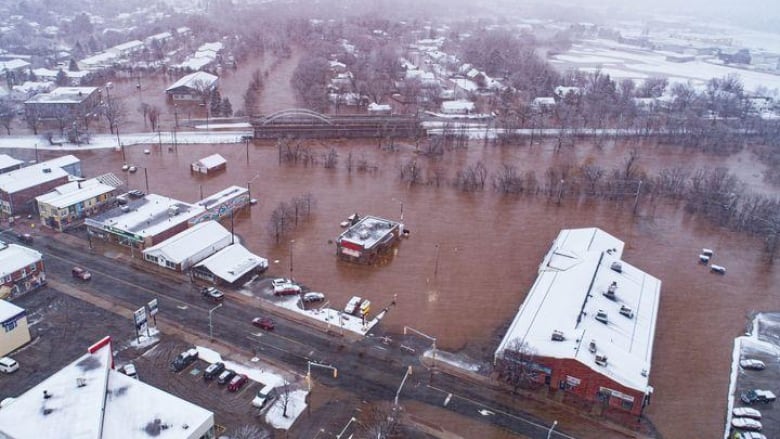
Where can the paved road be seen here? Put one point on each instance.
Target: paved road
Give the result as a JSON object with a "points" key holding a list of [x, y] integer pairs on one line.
{"points": [[367, 367]]}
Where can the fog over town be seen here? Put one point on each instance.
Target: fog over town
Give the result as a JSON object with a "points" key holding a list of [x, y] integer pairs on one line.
{"points": [[500, 219]]}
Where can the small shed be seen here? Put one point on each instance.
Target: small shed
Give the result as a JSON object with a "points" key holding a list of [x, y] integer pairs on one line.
{"points": [[210, 164]]}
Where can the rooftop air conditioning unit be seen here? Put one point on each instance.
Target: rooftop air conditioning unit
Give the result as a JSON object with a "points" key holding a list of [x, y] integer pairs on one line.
{"points": [[617, 266], [601, 360], [602, 316], [610, 293], [592, 347], [557, 336], [626, 311]]}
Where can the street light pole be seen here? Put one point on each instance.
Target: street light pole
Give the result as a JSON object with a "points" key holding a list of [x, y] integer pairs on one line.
{"points": [[309, 364], [146, 179], [351, 420], [432, 339], [436, 264], [403, 381], [211, 327], [292, 241], [550, 431]]}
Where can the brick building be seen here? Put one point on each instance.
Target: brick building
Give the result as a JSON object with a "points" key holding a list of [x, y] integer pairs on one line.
{"points": [[19, 188], [67, 205], [588, 324], [21, 270], [75, 102]]}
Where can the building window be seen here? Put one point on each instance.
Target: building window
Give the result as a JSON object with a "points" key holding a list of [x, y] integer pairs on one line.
{"points": [[7, 279], [170, 264], [628, 405], [32, 268]]}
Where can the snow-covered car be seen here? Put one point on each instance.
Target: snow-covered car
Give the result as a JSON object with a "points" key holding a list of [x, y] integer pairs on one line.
{"points": [[280, 281], [287, 289], [757, 395], [752, 363], [749, 435], [212, 294], [746, 424], [263, 397], [746, 412], [129, 370], [313, 296]]}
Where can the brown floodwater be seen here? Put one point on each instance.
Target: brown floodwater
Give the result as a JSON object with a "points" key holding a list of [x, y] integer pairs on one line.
{"points": [[472, 257], [489, 247]]}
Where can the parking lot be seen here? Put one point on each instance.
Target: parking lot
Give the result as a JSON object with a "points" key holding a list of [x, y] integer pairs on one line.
{"points": [[765, 347]]}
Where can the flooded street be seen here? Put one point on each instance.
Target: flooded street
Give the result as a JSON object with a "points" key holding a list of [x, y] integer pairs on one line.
{"points": [[471, 257]]}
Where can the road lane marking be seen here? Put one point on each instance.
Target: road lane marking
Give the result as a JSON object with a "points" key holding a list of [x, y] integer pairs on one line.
{"points": [[447, 399]]}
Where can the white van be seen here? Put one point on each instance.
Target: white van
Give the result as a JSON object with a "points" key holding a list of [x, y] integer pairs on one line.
{"points": [[264, 396], [8, 365]]}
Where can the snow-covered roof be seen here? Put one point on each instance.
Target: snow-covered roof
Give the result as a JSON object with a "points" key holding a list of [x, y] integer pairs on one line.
{"points": [[6, 161], [224, 195], [146, 216], [74, 192], [457, 106], [214, 47], [8, 311], [374, 107], [34, 175], [194, 80], [211, 161], [130, 45], [465, 84], [13, 64], [232, 262], [368, 231], [15, 257], [196, 63], [64, 95], [193, 241], [88, 399], [567, 296], [547, 101]]}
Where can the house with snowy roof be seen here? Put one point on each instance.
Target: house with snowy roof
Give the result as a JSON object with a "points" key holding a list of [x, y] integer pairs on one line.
{"points": [[8, 163], [587, 326], [192, 87], [67, 205], [21, 270], [185, 249], [77, 102], [19, 188], [89, 398], [16, 332]]}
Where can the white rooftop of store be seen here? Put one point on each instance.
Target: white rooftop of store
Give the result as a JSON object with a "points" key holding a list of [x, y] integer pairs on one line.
{"points": [[33, 175], [232, 262], [192, 241], [74, 192], [568, 294], [148, 216]]}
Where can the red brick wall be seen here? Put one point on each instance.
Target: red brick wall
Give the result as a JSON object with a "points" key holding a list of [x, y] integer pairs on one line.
{"points": [[590, 382], [19, 200]]}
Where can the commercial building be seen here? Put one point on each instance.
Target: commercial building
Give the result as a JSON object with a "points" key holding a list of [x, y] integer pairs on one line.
{"points": [[367, 239], [8, 163], [75, 102], [21, 270], [222, 204], [209, 165], [143, 222], [185, 249], [90, 399], [15, 333], [231, 265], [19, 188], [588, 324], [67, 205]]}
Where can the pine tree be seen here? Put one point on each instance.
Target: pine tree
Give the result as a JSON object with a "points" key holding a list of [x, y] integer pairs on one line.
{"points": [[216, 103], [227, 107]]}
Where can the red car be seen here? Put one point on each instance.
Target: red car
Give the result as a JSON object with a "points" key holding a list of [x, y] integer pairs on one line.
{"points": [[237, 382], [80, 273], [263, 322]]}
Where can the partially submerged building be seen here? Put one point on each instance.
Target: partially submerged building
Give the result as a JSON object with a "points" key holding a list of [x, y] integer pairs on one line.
{"points": [[232, 265], [367, 239], [588, 324], [143, 222], [185, 249], [222, 204], [77, 102], [192, 87], [209, 165], [90, 399], [21, 270], [67, 205]]}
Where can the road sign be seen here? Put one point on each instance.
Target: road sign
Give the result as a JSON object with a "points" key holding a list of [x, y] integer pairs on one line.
{"points": [[152, 306]]}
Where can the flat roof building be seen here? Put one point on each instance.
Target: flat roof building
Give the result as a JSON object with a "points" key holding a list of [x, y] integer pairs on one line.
{"points": [[21, 270], [189, 247], [587, 325], [67, 205], [223, 203], [230, 265], [89, 399], [8, 163], [16, 332], [367, 239], [143, 222], [19, 188], [210, 164]]}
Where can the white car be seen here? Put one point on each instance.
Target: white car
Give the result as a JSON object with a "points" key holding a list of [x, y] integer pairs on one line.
{"points": [[129, 370], [263, 397], [746, 424], [751, 363], [749, 435], [746, 412], [280, 281]]}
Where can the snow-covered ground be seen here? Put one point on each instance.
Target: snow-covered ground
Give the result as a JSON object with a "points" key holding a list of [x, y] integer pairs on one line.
{"points": [[333, 317], [622, 61], [109, 141], [455, 360]]}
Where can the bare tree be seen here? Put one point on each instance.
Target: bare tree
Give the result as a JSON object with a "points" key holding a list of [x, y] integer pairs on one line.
{"points": [[250, 432], [517, 366], [285, 396], [7, 114], [331, 158], [379, 420], [153, 114]]}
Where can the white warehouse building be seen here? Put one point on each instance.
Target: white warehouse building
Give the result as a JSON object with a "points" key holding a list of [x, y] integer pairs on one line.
{"points": [[187, 248]]}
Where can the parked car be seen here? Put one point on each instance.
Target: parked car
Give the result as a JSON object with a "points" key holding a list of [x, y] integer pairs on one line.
{"points": [[25, 238], [237, 383], [757, 395], [746, 424], [749, 435], [8, 365], [264, 323], [226, 376], [129, 370], [746, 412], [213, 370], [212, 294], [280, 281], [81, 273], [287, 289], [263, 397], [313, 297], [751, 363], [184, 359]]}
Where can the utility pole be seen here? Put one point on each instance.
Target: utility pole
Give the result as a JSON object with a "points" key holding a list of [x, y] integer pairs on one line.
{"points": [[636, 200], [146, 179]]}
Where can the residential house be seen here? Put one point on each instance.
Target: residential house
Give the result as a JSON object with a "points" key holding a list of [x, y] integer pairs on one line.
{"points": [[76, 102], [8, 163], [21, 270], [19, 188], [192, 87]]}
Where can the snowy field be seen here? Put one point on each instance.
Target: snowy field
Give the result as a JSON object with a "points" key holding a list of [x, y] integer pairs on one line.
{"points": [[622, 61], [109, 141]]}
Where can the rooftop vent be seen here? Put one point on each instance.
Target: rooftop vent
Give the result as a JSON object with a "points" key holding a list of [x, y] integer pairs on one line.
{"points": [[47, 170], [617, 266], [81, 382], [601, 360], [644, 373], [46, 394], [592, 347], [557, 336], [626, 311], [610, 293], [602, 316]]}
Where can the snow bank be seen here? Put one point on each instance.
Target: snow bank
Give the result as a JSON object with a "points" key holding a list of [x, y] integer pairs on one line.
{"points": [[296, 404]]}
